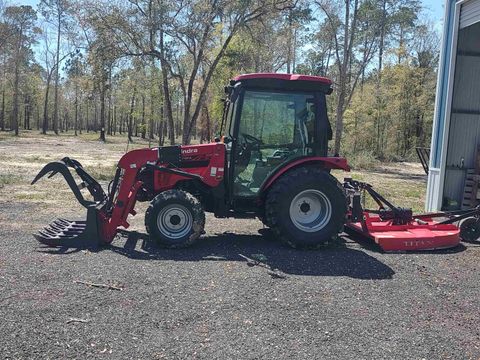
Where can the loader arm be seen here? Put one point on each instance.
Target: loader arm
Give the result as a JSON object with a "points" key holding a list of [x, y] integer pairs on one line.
{"points": [[122, 195], [106, 212]]}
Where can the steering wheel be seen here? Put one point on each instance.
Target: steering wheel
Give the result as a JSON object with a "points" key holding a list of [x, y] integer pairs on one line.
{"points": [[244, 154], [251, 140]]}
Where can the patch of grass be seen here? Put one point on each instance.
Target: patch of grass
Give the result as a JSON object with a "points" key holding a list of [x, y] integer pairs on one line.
{"points": [[90, 136], [32, 196], [102, 173], [9, 179], [38, 159], [363, 160]]}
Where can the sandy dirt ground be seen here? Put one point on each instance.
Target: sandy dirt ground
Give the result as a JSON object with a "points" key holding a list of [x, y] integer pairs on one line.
{"points": [[345, 301]]}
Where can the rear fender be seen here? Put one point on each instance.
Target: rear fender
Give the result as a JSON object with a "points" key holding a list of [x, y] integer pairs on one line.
{"points": [[339, 163]]}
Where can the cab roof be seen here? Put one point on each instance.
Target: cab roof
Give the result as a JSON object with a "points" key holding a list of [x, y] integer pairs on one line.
{"points": [[295, 82]]}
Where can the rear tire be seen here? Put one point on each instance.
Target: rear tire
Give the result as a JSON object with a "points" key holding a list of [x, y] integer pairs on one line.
{"points": [[306, 207], [469, 229], [175, 219]]}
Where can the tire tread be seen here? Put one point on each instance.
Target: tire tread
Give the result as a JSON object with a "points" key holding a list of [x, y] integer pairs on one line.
{"points": [[198, 218], [283, 185]]}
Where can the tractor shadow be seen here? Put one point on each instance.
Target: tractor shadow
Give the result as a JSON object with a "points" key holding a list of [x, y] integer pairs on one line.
{"points": [[332, 260]]}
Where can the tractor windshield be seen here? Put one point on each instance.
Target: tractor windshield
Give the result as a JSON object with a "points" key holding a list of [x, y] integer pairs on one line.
{"points": [[279, 120], [275, 127]]}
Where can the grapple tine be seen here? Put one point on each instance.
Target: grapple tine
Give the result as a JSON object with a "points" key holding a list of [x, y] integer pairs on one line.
{"points": [[71, 234], [61, 222], [46, 234], [55, 227], [50, 231]]}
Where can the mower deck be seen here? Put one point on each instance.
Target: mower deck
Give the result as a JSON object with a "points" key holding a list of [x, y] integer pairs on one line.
{"points": [[413, 236]]}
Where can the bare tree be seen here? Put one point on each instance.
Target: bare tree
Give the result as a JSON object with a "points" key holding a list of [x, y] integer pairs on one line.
{"points": [[185, 36], [342, 18], [55, 12], [21, 20]]}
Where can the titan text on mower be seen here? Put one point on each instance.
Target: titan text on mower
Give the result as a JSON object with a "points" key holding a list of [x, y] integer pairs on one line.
{"points": [[270, 161]]}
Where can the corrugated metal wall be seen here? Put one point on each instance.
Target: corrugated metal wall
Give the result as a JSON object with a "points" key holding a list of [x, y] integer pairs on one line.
{"points": [[470, 13], [464, 135]]}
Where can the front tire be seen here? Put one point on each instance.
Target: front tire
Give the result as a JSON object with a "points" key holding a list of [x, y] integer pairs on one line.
{"points": [[175, 219], [306, 207]]}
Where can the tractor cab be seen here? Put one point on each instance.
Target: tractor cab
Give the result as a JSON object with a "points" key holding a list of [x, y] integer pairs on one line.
{"points": [[270, 120]]}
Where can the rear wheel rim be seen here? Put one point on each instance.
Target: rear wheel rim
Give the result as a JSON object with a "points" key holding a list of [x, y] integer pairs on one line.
{"points": [[174, 221], [310, 210]]}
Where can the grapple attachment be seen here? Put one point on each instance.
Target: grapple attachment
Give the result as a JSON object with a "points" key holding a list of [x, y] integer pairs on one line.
{"points": [[67, 233]]}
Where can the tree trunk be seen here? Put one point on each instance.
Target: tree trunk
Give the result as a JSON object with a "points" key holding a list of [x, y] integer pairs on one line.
{"points": [[381, 45], [166, 91], [37, 112], [144, 127], [289, 42], [339, 120], [27, 110], [114, 119], [15, 95], [152, 102], [76, 108], [130, 117], [207, 115], [80, 118], [2, 112], [95, 116], [206, 83], [87, 125], [57, 65], [102, 111], [161, 127]]}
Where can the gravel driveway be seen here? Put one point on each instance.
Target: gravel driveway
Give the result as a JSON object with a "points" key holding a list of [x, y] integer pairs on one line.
{"points": [[347, 301]]}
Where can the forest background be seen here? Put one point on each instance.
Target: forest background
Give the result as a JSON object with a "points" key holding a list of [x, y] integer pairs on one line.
{"points": [[156, 69]]}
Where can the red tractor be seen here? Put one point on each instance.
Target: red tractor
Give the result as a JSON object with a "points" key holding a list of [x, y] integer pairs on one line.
{"points": [[270, 162]]}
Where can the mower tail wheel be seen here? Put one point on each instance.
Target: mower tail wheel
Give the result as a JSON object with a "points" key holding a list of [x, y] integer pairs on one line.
{"points": [[470, 229], [175, 219], [306, 207]]}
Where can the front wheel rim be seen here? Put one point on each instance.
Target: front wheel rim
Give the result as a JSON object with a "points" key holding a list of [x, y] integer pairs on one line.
{"points": [[174, 221], [310, 210]]}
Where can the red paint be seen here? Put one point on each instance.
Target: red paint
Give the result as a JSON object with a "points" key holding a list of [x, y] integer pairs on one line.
{"points": [[196, 157], [212, 174], [289, 77], [409, 237], [325, 162]]}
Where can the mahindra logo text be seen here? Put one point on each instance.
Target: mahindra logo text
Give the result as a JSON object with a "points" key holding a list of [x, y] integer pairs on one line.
{"points": [[189, 151]]}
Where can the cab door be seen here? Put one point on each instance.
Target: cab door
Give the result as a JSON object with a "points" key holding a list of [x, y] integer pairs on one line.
{"points": [[273, 127]]}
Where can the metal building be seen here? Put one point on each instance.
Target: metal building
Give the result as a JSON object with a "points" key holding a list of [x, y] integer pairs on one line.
{"points": [[454, 156]]}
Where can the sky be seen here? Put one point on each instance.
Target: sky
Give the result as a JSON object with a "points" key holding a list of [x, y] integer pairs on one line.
{"points": [[435, 10]]}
